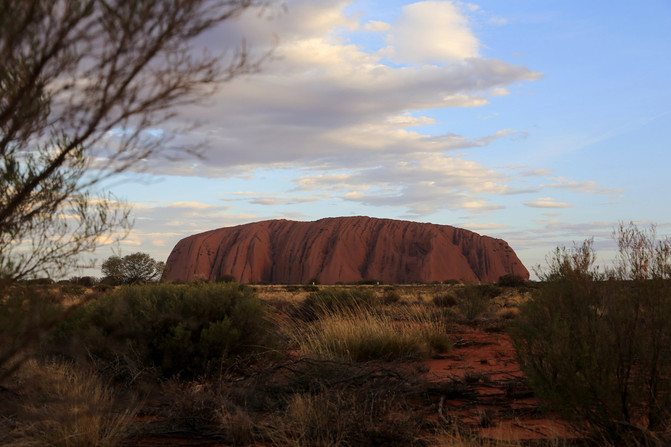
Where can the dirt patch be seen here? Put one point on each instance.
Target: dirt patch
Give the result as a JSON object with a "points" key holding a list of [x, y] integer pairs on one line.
{"points": [[495, 398]]}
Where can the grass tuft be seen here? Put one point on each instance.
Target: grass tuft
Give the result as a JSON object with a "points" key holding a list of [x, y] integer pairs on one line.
{"points": [[357, 335]]}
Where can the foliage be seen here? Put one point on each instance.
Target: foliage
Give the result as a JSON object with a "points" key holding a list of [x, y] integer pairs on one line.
{"points": [[473, 299], [132, 269], [511, 280], [445, 300], [359, 335], [63, 406], [226, 278], [26, 315], [332, 299], [597, 345], [390, 295], [84, 84], [179, 329]]}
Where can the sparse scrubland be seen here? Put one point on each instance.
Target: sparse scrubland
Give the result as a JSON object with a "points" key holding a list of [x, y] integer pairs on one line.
{"points": [[277, 365]]}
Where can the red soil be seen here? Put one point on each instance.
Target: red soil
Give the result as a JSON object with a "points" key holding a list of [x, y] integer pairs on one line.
{"points": [[500, 404]]}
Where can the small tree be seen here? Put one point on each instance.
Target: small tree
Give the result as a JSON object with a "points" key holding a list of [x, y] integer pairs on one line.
{"points": [[132, 269], [597, 346]]}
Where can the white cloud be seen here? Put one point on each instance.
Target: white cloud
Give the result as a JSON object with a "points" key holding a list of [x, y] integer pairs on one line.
{"points": [[326, 101], [424, 185], [377, 26], [432, 32], [588, 187], [358, 123], [479, 226], [547, 202]]}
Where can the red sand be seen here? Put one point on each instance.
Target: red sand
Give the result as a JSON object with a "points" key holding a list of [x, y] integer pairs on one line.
{"points": [[502, 405]]}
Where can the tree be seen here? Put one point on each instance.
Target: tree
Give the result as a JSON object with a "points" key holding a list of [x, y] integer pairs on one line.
{"points": [[132, 269], [81, 84]]}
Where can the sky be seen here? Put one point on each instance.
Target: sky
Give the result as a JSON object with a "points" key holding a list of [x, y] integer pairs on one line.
{"points": [[542, 123]]}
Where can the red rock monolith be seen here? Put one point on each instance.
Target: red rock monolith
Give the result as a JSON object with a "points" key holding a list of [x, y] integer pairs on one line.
{"points": [[342, 249]]}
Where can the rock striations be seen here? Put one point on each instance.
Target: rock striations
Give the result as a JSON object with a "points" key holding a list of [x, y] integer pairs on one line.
{"points": [[346, 249]]}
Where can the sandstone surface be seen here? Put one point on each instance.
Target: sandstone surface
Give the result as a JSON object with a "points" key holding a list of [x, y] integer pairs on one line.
{"points": [[346, 249]]}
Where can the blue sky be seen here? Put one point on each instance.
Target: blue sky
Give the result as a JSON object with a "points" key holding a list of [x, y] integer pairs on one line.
{"points": [[541, 123]]}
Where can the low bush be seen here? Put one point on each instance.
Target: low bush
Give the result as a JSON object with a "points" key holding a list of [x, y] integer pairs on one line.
{"points": [[473, 300], [445, 300], [334, 299], [359, 335], [390, 296], [597, 347], [510, 280], [59, 405], [27, 315], [179, 329]]}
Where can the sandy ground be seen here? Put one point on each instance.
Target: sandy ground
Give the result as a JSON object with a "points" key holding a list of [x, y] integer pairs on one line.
{"points": [[500, 404]]}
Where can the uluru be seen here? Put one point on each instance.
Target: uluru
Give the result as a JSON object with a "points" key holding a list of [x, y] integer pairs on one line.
{"points": [[342, 249]]}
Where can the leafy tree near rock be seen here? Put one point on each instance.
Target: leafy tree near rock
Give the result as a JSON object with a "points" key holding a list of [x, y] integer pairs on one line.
{"points": [[132, 269]]}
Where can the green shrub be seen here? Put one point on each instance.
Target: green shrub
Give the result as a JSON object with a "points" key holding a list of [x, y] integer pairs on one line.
{"points": [[510, 280], [390, 296], [597, 347], [27, 315], [226, 278], [451, 282], [334, 299], [73, 289], [473, 300], [103, 287], [445, 300], [180, 329]]}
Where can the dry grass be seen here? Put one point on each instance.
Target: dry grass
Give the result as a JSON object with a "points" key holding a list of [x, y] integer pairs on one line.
{"points": [[360, 334], [58, 405]]}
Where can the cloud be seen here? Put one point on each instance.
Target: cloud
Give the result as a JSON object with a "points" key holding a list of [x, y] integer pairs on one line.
{"points": [[423, 186], [479, 226], [326, 101], [333, 107], [547, 202], [376, 26], [536, 172], [589, 187], [432, 32]]}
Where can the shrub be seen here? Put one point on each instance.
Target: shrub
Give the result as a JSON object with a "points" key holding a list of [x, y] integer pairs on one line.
{"points": [[226, 278], [358, 334], [180, 329], [451, 282], [597, 347], [27, 315], [473, 300], [445, 300], [73, 289], [510, 280], [63, 406], [390, 296], [333, 299]]}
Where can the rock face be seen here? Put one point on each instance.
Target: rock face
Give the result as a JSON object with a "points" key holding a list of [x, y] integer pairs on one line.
{"points": [[346, 249]]}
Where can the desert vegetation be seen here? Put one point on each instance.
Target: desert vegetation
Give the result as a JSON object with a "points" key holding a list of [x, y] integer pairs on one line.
{"points": [[235, 364], [230, 364], [596, 345]]}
